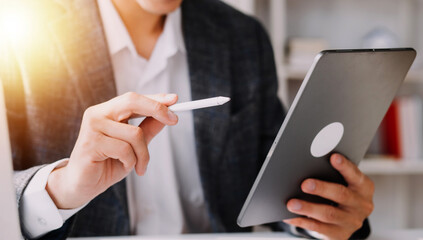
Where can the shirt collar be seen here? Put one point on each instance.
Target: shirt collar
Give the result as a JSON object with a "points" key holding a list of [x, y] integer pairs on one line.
{"points": [[118, 37], [176, 28]]}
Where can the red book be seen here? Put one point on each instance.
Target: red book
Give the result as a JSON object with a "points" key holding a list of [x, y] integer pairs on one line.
{"points": [[391, 131]]}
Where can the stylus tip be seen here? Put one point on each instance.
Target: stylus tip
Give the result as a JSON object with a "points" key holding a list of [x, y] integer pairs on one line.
{"points": [[223, 100]]}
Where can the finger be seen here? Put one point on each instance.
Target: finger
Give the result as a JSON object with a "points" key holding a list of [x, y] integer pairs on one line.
{"points": [[321, 212], [151, 127], [166, 99], [117, 149], [132, 104], [332, 191], [132, 135], [313, 225], [352, 175]]}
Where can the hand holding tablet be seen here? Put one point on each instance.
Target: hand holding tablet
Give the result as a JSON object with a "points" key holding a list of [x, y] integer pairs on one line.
{"points": [[354, 203]]}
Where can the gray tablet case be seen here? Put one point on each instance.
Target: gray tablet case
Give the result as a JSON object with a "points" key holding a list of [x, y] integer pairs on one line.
{"points": [[346, 92]]}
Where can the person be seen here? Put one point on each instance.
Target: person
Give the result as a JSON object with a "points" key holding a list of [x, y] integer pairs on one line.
{"points": [[98, 65]]}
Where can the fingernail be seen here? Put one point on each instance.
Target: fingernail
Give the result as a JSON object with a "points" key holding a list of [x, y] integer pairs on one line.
{"points": [[172, 116], [338, 159], [170, 97], [295, 205], [310, 185]]}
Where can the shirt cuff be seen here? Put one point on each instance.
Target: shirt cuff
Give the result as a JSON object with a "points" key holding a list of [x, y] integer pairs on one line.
{"points": [[304, 232], [315, 234], [38, 212]]}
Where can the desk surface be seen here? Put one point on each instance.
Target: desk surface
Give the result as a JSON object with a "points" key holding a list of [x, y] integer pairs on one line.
{"points": [[386, 235]]}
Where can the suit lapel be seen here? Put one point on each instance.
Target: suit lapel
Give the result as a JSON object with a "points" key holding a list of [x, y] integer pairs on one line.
{"points": [[209, 71], [80, 38]]}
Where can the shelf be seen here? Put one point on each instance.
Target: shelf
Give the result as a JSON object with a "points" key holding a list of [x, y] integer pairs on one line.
{"points": [[296, 72], [381, 166], [415, 76]]}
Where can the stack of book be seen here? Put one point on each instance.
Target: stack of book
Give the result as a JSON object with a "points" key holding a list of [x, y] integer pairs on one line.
{"points": [[400, 134]]}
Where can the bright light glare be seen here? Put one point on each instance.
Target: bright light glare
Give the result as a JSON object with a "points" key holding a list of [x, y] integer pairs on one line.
{"points": [[15, 25]]}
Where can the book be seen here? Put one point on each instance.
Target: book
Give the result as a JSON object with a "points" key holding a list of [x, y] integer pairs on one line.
{"points": [[400, 134], [390, 131]]}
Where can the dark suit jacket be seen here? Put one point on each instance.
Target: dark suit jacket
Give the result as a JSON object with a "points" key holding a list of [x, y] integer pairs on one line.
{"points": [[50, 82]]}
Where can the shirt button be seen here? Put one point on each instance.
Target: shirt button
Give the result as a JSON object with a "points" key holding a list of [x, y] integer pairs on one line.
{"points": [[42, 221]]}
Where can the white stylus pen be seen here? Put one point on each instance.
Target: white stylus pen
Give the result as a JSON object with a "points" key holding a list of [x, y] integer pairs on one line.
{"points": [[204, 103]]}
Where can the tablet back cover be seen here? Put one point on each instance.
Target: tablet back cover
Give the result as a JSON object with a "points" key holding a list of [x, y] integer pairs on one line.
{"points": [[351, 87]]}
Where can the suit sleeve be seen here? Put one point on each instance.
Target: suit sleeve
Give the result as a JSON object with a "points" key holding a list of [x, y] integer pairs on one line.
{"points": [[11, 79], [273, 115]]}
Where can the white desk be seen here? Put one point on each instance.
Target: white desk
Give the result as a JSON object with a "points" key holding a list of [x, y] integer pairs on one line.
{"points": [[227, 236], [416, 234], [386, 235]]}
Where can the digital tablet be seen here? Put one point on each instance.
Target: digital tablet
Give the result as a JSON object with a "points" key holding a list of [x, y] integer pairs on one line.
{"points": [[337, 109]]}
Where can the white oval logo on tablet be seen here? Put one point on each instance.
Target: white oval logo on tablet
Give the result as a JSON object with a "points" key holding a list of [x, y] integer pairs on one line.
{"points": [[327, 139]]}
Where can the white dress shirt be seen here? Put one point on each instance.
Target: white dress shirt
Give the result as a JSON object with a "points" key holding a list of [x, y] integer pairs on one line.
{"points": [[169, 198]]}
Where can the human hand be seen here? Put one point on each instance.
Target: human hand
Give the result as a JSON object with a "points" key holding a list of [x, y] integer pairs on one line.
{"points": [[108, 148], [355, 202]]}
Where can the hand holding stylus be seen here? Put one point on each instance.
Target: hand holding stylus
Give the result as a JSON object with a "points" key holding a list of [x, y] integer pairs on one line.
{"points": [[108, 148]]}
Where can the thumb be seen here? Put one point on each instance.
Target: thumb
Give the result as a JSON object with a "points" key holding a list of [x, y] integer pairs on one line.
{"points": [[151, 127]]}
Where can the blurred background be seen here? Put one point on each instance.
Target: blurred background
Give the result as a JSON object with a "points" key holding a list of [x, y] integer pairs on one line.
{"points": [[299, 29]]}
